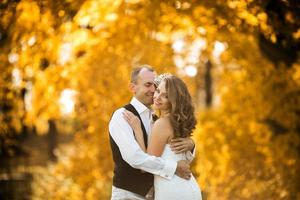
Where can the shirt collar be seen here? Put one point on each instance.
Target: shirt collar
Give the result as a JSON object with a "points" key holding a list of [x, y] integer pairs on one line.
{"points": [[140, 107]]}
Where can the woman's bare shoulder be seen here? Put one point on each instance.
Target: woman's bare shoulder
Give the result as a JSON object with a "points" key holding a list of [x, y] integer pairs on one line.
{"points": [[162, 123]]}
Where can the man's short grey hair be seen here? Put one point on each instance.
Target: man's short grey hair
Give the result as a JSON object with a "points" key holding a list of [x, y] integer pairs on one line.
{"points": [[135, 72]]}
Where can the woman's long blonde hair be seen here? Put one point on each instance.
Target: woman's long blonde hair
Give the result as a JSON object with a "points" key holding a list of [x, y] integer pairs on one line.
{"points": [[182, 115]]}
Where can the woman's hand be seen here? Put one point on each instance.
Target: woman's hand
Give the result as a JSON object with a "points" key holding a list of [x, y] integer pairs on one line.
{"points": [[136, 125], [132, 120]]}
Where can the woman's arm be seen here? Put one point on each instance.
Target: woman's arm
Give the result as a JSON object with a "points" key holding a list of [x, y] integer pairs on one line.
{"points": [[139, 136], [161, 132], [135, 124]]}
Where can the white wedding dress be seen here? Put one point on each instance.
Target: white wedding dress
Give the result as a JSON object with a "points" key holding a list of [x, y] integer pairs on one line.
{"points": [[177, 188]]}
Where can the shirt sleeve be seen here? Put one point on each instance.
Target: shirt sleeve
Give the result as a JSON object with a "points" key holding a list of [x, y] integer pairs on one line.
{"points": [[122, 134], [191, 155]]}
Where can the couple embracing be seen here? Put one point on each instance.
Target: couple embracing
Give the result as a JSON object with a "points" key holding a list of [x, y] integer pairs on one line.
{"points": [[152, 157]]}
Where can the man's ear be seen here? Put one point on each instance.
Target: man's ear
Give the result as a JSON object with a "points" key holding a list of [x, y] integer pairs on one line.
{"points": [[132, 87]]}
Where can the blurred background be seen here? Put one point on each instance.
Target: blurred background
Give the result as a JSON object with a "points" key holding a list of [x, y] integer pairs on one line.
{"points": [[65, 66]]}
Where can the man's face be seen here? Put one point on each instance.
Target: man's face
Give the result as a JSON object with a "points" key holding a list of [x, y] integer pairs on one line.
{"points": [[144, 87]]}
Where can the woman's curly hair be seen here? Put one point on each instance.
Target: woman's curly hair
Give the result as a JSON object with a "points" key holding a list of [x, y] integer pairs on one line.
{"points": [[182, 115]]}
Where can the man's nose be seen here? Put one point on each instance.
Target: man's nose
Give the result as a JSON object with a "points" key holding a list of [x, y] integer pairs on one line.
{"points": [[152, 89]]}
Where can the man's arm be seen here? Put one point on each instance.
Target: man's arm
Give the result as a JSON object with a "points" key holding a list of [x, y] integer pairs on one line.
{"points": [[122, 134]]}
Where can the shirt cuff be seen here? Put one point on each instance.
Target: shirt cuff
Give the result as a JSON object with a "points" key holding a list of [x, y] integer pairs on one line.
{"points": [[191, 155], [169, 169]]}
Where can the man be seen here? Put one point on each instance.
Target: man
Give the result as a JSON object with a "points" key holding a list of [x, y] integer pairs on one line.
{"points": [[131, 180]]}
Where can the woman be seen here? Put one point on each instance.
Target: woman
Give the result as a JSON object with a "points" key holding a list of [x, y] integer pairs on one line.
{"points": [[174, 104]]}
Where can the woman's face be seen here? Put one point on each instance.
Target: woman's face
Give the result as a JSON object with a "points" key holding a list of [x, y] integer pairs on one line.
{"points": [[160, 98]]}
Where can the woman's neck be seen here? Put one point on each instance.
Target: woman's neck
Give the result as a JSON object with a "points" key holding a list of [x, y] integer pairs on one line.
{"points": [[164, 113]]}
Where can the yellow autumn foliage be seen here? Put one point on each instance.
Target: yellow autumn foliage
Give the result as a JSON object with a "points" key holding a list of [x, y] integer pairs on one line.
{"points": [[247, 142]]}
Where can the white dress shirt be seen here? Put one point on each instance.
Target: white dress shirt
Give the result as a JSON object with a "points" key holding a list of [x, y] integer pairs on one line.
{"points": [[123, 135]]}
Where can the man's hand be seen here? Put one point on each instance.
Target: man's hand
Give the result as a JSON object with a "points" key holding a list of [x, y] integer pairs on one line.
{"points": [[183, 169], [181, 145]]}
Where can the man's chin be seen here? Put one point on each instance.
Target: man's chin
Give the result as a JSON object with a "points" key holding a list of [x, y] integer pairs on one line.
{"points": [[149, 103]]}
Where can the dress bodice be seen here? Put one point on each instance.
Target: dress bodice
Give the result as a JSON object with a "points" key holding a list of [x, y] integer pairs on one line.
{"points": [[168, 154]]}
